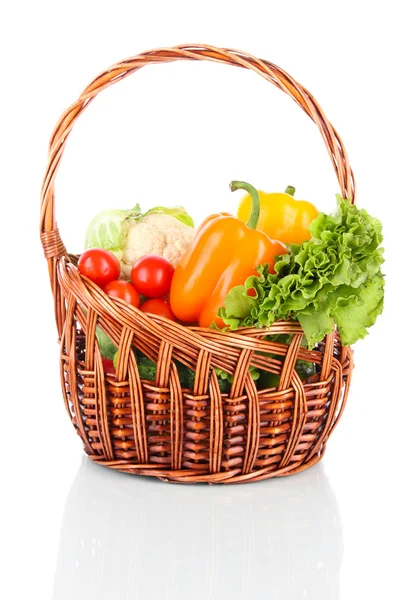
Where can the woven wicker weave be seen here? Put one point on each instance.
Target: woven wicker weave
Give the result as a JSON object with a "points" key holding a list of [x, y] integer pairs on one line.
{"points": [[156, 428]]}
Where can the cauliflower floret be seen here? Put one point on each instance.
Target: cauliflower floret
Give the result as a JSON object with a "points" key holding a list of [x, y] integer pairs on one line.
{"points": [[156, 233]]}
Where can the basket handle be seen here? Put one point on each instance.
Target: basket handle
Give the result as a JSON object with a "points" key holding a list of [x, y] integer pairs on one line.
{"points": [[50, 238]]}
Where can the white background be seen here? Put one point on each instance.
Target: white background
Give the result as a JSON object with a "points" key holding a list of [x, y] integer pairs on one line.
{"points": [[178, 134]]}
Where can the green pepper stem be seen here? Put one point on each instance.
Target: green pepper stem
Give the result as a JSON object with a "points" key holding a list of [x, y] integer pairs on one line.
{"points": [[290, 189], [256, 203]]}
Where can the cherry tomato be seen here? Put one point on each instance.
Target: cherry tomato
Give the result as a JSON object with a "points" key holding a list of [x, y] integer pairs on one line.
{"points": [[152, 275], [124, 290], [101, 266], [108, 366], [158, 306]]}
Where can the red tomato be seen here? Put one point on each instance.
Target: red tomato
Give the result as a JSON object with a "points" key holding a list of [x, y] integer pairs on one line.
{"points": [[101, 266], [158, 306], [124, 290], [108, 366], [152, 275]]}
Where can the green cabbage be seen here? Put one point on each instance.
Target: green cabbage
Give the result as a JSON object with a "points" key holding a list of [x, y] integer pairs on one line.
{"points": [[105, 230], [335, 277], [178, 212]]}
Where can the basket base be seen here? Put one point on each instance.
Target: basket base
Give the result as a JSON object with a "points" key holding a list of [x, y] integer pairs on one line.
{"points": [[189, 476]]}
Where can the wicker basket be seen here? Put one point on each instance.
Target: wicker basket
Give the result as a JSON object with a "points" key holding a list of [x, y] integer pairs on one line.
{"points": [[156, 428]]}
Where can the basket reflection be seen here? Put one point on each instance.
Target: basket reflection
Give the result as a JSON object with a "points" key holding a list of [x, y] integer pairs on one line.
{"points": [[125, 537]]}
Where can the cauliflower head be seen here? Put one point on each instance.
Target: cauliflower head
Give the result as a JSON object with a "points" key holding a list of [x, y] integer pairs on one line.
{"points": [[155, 233]]}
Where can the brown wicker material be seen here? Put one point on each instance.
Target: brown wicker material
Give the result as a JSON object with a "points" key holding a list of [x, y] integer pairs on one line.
{"points": [[157, 428]]}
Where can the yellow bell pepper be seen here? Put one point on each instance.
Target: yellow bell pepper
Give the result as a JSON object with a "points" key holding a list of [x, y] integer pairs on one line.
{"points": [[281, 216]]}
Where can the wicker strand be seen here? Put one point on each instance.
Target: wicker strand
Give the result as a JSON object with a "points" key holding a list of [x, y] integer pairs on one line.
{"points": [[53, 246]]}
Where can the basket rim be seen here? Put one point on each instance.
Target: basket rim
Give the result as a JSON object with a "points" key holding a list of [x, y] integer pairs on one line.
{"points": [[90, 295]]}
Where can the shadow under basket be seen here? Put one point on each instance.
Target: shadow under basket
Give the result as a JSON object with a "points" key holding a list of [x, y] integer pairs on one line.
{"points": [[159, 428]]}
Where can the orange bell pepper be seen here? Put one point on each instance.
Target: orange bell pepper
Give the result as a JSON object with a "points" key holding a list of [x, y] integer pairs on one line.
{"points": [[223, 254]]}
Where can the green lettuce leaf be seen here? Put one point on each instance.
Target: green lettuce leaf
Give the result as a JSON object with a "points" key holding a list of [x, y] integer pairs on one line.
{"points": [[238, 305], [333, 278], [316, 324], [356, 309]]}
